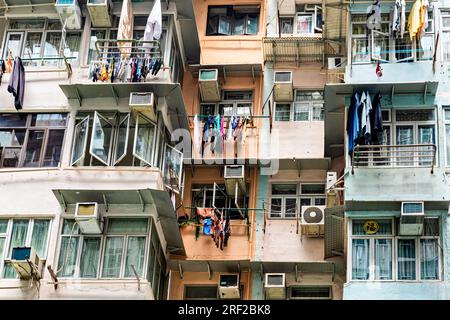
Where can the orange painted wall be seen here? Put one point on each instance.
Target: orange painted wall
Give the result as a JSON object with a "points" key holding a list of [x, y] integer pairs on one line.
{"points": [[222, 49]]}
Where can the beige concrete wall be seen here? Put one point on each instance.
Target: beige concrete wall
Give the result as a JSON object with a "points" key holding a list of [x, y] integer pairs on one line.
{"points": [[223, 49], [202, 278]]}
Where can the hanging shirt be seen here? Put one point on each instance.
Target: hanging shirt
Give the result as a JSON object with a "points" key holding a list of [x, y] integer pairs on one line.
{"points": [[230, 129], [402, 18], [376, 119], [352, 122], [396, 19], [414, 21], [424, 16], [373, 21], [367, 113], [17, 83], [207, 226]]}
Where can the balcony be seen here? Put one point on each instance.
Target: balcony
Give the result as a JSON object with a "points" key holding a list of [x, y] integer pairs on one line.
{"points": [[390, 156]]}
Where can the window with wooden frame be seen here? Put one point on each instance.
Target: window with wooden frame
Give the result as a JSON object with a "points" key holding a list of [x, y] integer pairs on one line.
{"points": [[31, 140]]}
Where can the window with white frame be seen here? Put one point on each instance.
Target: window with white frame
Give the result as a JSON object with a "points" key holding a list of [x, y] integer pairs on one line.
{"points": [[234, 103], [232, 20], [378, 253], [21, 232], [39, 42], [381, 45], [445, 27], [308, 106], [287, 199], [447, 135], [306, 21], [113, 138], [110, 255]]}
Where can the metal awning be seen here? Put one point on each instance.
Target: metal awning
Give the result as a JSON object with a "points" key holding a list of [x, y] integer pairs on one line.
{"points": [[294, 49], [171, 91], [158, 200], [334, 105]]}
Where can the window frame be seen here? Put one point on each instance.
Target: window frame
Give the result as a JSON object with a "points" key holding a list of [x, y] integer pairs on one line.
{"points": [[231, 18], [446, 137], [234, 102], [102, 248], [310, 104], [298, 196], [45, 140], [394, 247], [7, 235]]}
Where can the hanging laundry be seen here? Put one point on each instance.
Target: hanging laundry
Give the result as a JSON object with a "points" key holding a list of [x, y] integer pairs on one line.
{"points": [[112, 70], [9, 64], [125, 30], [227, 229], [197, 124], [424, 16], [156, 67], [2, 71], [17, 83], [153, 28], [379, 70], [104, 73], [376, 120], [396, 19], [207, 226], [230, 129], [243, 135], [367, 112], [373, 21], [414, 20], [205, 212], [206, 132], [402, 17], [352, 122]]}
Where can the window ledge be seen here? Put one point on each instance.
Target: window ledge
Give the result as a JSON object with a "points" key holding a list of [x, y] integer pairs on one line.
{"points": [[67, 281]]}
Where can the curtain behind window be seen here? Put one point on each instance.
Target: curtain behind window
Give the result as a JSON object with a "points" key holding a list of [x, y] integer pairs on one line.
{"points": [[406, 259], [360, 259], [89, 258], [135, 256], [113, 257], [39, 237], [383, 259], [429, 259]]}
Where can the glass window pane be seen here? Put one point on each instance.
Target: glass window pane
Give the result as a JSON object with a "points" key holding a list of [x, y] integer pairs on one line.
{"points": [[90, 258], [32, 48], [383, 259], [237, 95], [135, 256], [172, 167], [18, 235], [360, 259], [127, 225], [406, 259], [226, 109], [304, 24], [282, 112], [415, 115], [429, 259], [3, 225], [9, 272], [317, 112], [80, 140], [39, 237], [68, 256], [122, 139], [27, 24], [2, 246], [145, 136], [239, 24], [360, 47], [431, 227], [320, 201], [11, 157], [313, 188], [284, 188], [70, 227], [112, 260], [14, 45], [72, 48], [101, 138], [52, 154], [275, 207], [446, 114], [290, 208], [95, 35], [252, 24], [286, 25], [11, 120], [49, 120], [33, 149], [151, 263], [52, 47], [243, 109], [380, 49], [301, 111]]}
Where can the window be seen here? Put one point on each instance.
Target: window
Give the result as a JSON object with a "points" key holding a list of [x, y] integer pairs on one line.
{"points": [[19, 233], [307, 20], [447, 135], [39, 41], [232, 20], [113, 254], [373, 251], [287, 199], [308, 106], [234, 103], [381, 45], [445, 25], [310, 292], [200, 292], [31, 140], [203, 196], [111, 138]]}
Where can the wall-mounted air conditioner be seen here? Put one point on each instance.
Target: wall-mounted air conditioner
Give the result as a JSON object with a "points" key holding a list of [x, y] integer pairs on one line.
{"points": [[88, 218], [283, 86], [208, 80], [26, 262], [275, 286], [335, 62], [234, 175], [411, 219], [69, 13], [143, 102], [229, 286], [313, 218], [99, 11], [331, 178]]}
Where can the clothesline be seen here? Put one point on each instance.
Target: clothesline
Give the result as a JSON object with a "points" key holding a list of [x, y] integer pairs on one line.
{"points": [[244, 116]]}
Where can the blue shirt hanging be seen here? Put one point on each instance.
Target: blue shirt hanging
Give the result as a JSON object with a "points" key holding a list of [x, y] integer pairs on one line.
{"points": [[207, 226]]}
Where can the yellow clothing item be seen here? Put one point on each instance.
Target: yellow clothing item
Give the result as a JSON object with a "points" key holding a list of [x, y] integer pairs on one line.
{"points": [[104, 74], [415, 21]]}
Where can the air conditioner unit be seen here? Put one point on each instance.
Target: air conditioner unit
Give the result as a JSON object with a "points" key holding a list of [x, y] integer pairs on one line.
{"points": [[88, 218], [283, 87], [335, 62], [209, 85], [229, 286], [69, 13], [143, 102], [275, 286], [313, 219], [99, 11], [411, 219], [234, 174], [331, 178], [26, 262]]}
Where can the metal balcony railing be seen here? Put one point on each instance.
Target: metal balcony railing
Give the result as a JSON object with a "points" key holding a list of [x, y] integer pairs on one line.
{"points": [[107, 49], [376, 156]]}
